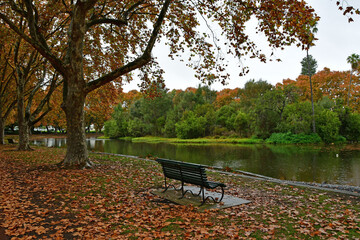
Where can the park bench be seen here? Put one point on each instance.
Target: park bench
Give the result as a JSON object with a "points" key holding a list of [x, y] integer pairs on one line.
{"points": [[189, 173]]}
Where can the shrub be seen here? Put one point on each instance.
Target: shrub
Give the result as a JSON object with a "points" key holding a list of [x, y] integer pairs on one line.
{"points": [[327, 126], [293, 138], [138, 128], [351, 127], [296, 118], [111, 129], [191, 126], [241, 123], [220, 131]]}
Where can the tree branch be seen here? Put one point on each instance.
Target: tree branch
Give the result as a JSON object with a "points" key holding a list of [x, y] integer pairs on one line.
{"points": [[117, 22], [43, 51], [137, 63]]}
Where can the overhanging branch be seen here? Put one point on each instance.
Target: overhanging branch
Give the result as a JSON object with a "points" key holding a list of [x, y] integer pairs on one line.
{"points": [[137, 63], [43, 51]]}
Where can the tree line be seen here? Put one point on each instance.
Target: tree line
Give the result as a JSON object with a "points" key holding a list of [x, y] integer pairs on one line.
{"points": [[259, 109]]}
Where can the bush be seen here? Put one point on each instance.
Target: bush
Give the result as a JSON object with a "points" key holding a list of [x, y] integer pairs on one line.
{"points": [[241, 123], [351, 127], [220, 131], [191, 127], [296, 118], [137, 128], [225, 116], [111, 129], [327, 126], [293, 138]]}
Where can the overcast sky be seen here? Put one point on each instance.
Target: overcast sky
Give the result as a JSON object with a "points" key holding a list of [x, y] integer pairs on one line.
{"points": [[337, 40]]}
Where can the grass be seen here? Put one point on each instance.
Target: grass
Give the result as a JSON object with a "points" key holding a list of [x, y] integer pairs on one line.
{"points": [[151, 139]]}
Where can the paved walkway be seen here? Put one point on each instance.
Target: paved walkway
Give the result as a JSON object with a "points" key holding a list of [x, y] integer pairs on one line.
{"points": [[189, 199]]}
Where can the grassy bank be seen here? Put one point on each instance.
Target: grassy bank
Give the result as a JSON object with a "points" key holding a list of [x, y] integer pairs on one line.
{"points": [[151, 139], [114, 201]]}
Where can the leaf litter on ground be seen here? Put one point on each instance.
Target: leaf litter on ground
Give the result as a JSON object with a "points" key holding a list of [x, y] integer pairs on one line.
{"points": [[114, 201]]}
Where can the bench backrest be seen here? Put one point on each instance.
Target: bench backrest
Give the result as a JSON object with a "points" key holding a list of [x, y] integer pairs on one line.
{"points": [[186, 172]]}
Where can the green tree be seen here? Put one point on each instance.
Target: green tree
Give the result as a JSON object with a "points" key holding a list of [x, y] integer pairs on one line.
{"points": [[350, 124], [225, 116], [118, 125], [152, 112], [191, 126], [251, 91], [296, 118], [268, 112], [171, 120], [328, 125], [207, 111], [353, 60], [241, 123], [308, 67]]}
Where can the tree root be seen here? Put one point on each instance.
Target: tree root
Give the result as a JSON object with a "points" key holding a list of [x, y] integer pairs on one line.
{"points": [[65, 164]]}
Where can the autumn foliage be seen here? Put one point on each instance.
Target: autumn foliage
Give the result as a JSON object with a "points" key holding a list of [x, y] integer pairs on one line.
{"points": [[333, 84]]}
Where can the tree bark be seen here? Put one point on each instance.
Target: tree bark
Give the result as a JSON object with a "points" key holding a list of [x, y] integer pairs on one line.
{"points": [[311, 94], [77, 153], [24, 133], [312, 106], [2, 132]]}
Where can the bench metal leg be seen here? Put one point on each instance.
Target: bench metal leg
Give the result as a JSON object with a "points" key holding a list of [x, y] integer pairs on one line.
{"points": [[167, 186], [194, 194], [210, 197]]}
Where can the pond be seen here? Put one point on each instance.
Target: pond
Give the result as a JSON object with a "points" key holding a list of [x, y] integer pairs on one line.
{"points": [[331, 164]]}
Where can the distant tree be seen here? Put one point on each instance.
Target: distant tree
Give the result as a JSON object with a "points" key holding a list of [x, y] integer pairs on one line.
{"points": [[252, 91], [354, 60], [191, 126], [308, 67], [268, 111], [328, 125], [296, 118], [99, 105], [35, 83]]}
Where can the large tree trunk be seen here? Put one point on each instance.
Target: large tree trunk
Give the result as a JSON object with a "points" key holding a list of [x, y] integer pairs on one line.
{"points": [[24, 133], [74, 94], [24, 137], [2, 134], [77, 153]]}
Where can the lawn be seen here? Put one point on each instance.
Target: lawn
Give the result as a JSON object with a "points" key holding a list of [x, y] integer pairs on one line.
{"points": [[151, 139], [113, 201]]}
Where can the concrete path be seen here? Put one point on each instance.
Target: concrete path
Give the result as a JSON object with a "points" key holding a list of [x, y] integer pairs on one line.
{"points": [[189, 199]]}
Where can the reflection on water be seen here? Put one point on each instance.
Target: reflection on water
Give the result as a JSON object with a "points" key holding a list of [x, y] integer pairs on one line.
{"points": [[337, 165]]}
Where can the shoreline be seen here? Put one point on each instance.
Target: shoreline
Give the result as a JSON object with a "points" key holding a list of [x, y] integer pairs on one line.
{"points": [[347, 189], [343, 189]]}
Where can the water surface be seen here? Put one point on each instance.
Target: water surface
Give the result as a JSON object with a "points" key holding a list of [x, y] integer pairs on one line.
{"points": [[334, 165]]}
